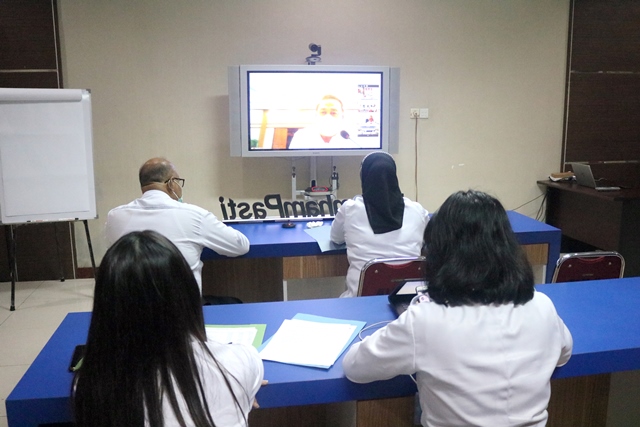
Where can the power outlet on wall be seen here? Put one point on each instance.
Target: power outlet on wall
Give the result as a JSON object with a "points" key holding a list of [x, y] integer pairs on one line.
{"points": [[419, 113]]}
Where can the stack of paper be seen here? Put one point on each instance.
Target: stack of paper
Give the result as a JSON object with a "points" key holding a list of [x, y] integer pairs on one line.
{"points": [[236, 334], [310, 340], [322, 235]]}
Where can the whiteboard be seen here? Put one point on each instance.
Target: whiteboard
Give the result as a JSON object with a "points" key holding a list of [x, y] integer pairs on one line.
{"points": [[46, 156]]}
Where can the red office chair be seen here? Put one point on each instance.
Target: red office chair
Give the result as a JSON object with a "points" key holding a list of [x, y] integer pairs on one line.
{"points": [[381, 276], [579, 266]]}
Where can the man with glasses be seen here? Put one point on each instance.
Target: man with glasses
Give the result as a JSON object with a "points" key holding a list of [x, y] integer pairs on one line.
{"points": [[160, 208]]}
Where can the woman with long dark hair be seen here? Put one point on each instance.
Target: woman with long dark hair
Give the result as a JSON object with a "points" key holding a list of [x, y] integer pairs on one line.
{"points": [[148, 361], [381, 223], [484, 344]]}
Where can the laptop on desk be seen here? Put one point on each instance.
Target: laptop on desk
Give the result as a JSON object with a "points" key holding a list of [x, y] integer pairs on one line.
{"points": [[404, 293], [584, 176]]}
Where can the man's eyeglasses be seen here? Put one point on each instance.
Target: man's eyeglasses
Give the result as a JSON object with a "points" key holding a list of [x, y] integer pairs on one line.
{"points": [[180, 181]]}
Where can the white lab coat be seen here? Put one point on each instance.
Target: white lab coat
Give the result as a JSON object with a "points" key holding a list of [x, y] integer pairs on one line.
{"points": [[351, 225], [189, 227], [244, 370], [309, 138], [480, 365]]}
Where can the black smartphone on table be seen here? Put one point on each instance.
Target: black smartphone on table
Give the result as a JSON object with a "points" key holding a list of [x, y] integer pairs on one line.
{"points": [[76, 359]]}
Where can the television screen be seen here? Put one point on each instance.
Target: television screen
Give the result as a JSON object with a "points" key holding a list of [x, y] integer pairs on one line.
{"points": [[310, 110]]}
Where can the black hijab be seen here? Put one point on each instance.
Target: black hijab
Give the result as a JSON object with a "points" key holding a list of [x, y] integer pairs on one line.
{"points": [[383, 199]]}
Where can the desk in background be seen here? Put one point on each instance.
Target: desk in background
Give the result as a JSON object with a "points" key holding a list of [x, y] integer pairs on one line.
{"points": [[280, 254], [602, 315], [603, 219]]}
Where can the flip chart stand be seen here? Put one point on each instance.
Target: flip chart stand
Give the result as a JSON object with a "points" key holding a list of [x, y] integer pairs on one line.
{"points": [[13, 264], [46, 143]]}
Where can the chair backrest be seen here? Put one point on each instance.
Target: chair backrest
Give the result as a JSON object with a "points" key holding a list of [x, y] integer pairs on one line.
{"points": [[580, 266], [219, 300], [380, 276]]}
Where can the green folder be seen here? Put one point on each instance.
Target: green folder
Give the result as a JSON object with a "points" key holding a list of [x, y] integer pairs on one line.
{"points": [[221, 329]]}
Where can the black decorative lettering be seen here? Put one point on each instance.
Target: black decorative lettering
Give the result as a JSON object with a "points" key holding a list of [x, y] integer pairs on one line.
{"points": [[312, 208], [326, 203], [222, 208], [294, 209], [277, 205], [258, 211], [244, 210], [232, 208]]}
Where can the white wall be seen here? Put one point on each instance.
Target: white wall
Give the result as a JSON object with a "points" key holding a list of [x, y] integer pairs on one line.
{"points": [[491, 72]]}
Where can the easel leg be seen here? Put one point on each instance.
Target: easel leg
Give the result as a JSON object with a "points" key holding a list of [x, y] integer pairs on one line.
{"points": [[93, 261], [11, 251], [60, 263]]}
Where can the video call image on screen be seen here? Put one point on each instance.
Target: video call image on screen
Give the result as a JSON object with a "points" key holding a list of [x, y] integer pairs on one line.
{"points": [[314, 110]]}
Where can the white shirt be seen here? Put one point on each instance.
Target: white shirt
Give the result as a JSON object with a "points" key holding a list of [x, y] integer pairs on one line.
{"points": [[240, 362], [189, 227], [475, 365], [309, 138], [351, 225]]}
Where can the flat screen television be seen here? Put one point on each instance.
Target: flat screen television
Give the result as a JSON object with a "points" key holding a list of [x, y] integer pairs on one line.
{"points": [[313, 110]]}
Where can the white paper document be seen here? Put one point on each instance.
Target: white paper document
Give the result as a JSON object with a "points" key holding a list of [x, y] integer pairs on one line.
{"points": [[236, 335], [322, 235], [309, 343]]}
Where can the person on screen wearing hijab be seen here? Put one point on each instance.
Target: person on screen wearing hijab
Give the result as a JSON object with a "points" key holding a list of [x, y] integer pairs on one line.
{"points": [[381, 223]]}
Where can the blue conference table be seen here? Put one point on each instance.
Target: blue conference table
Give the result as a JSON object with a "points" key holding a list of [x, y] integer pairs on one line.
{"points": [[603, 317], [270, 240]]}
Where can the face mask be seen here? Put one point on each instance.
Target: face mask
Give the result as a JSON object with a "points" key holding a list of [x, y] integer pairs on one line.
{"points": [[329, 126], [178, 199]]}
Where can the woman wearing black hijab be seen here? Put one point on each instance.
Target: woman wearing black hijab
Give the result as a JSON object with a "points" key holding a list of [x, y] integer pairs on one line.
{"points": [[381, 223]]}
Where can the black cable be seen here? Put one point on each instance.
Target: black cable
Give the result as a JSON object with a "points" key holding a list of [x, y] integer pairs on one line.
{"points": [[541, 212], [526, 203]]}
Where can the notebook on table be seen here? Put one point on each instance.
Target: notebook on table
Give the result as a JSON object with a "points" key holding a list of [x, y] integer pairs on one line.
{"points": [[584, 176]]}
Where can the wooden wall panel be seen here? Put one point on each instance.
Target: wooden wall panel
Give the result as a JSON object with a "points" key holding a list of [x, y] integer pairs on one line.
{"points": [[38, 80], [603, 122], [606, 35], [28, 35], [43, 252], [602, 116], [30, 58]]}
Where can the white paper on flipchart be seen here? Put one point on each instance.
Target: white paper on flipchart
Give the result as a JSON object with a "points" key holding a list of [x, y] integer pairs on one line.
{"points": [[302, 342]]}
